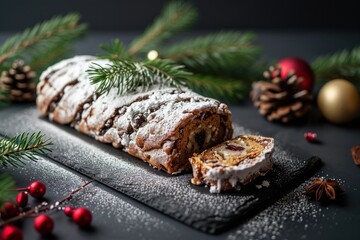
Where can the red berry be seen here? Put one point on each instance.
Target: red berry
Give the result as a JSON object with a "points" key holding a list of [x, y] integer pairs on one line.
{"points": [[11, 233], [43, 224], [37, 189], [22, 199], [301, 69], [310, 136], [82, 217], [234, 147], [9, 210], [68, 211]]}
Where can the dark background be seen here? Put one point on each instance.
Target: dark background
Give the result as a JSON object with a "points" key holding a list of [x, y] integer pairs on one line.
{"points": [[135, 15], [300, 28]]}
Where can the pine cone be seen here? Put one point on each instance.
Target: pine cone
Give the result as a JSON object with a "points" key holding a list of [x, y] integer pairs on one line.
{"points": [[280, 99], [18, 82]]}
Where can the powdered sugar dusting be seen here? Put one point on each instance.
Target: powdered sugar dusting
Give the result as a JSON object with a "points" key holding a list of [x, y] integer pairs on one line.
{"points": [[277, 219], [173, 195], [144, 124], [104, 205], [244, 171], [275, 222]]}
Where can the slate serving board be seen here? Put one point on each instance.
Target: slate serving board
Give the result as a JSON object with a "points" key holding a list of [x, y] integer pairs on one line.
{"points": [[171, 195]]}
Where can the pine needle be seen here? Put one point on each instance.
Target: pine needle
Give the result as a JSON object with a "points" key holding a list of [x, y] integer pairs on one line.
{"points": [[4, 97], [116, 50], [25, 146], [227, 90], [224, 62], [7, 186], [127, 75], [53, 54], [222, 52], [35, 40], [175, 17], [343, 64]]}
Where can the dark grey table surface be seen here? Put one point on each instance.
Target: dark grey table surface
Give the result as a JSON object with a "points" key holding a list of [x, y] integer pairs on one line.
{"points": [[117, 216]]}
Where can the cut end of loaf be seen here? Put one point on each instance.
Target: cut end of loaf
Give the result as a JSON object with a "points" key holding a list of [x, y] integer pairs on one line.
{"points": [[233, 163]]}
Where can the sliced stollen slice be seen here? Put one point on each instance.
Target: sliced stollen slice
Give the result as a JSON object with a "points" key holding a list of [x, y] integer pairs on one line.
{"points": [[233, 163]]}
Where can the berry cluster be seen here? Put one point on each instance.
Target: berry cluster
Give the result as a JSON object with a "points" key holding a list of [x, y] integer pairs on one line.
{"points": [[43, 223]]}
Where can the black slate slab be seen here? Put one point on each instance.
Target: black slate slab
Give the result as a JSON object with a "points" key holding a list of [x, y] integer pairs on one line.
{"points": [[172, 195]]}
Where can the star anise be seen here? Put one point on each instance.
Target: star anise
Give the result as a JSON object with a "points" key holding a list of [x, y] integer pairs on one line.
{"points": [[323, 188]]}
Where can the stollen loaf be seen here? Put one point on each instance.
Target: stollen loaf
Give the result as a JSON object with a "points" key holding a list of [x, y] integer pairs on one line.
{"points": [[163, 127]]}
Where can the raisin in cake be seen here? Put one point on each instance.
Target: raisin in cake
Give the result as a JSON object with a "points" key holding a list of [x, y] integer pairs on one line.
{"points": [[163, 127], [233, 163]]}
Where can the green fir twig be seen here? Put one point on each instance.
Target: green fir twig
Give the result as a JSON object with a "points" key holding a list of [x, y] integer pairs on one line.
{"points": [[53, 54], [223, 63], [228, 90], [41, 38], [174, 18], [23, 147], [127, 75], [4, 97], [218, 53], [115, 51], [7, 186], [343, 64]]}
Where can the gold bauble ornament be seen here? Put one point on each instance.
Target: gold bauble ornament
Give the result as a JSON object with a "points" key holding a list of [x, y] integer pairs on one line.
{"points": [[339, 101]]}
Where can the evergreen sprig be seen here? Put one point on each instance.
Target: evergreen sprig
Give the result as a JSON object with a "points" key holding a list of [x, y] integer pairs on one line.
{"points": [[218, 53], [116, 50], [54, 52], [228, 90], [343, 64], [223, 63], [127, 75], [4, 97], [24, 146], [7, 186], [174, 18], [41, 38]]}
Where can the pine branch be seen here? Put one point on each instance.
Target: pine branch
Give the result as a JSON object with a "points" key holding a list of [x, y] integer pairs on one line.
{"points": [[35, 40], [49, 56], [220, 53], [127, 75], [25, 146], [4, 97], [116, 50], [7, 187], [175, 17], [227, 90], [343, 64]]}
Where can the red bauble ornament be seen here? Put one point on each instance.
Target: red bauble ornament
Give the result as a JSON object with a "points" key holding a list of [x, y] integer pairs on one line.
{"points": [[11, 233], [301, 69], [22, 199], [68, 211], [310, 136], [82, 217], [9, 210], [43, 224]]}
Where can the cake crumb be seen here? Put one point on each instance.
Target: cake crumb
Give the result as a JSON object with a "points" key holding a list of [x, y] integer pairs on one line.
{"points": [[265, 183]]}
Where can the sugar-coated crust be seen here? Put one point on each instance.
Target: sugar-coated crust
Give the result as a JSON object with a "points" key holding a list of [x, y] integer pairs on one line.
{"points": [[163, 127], [233, 163]]}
